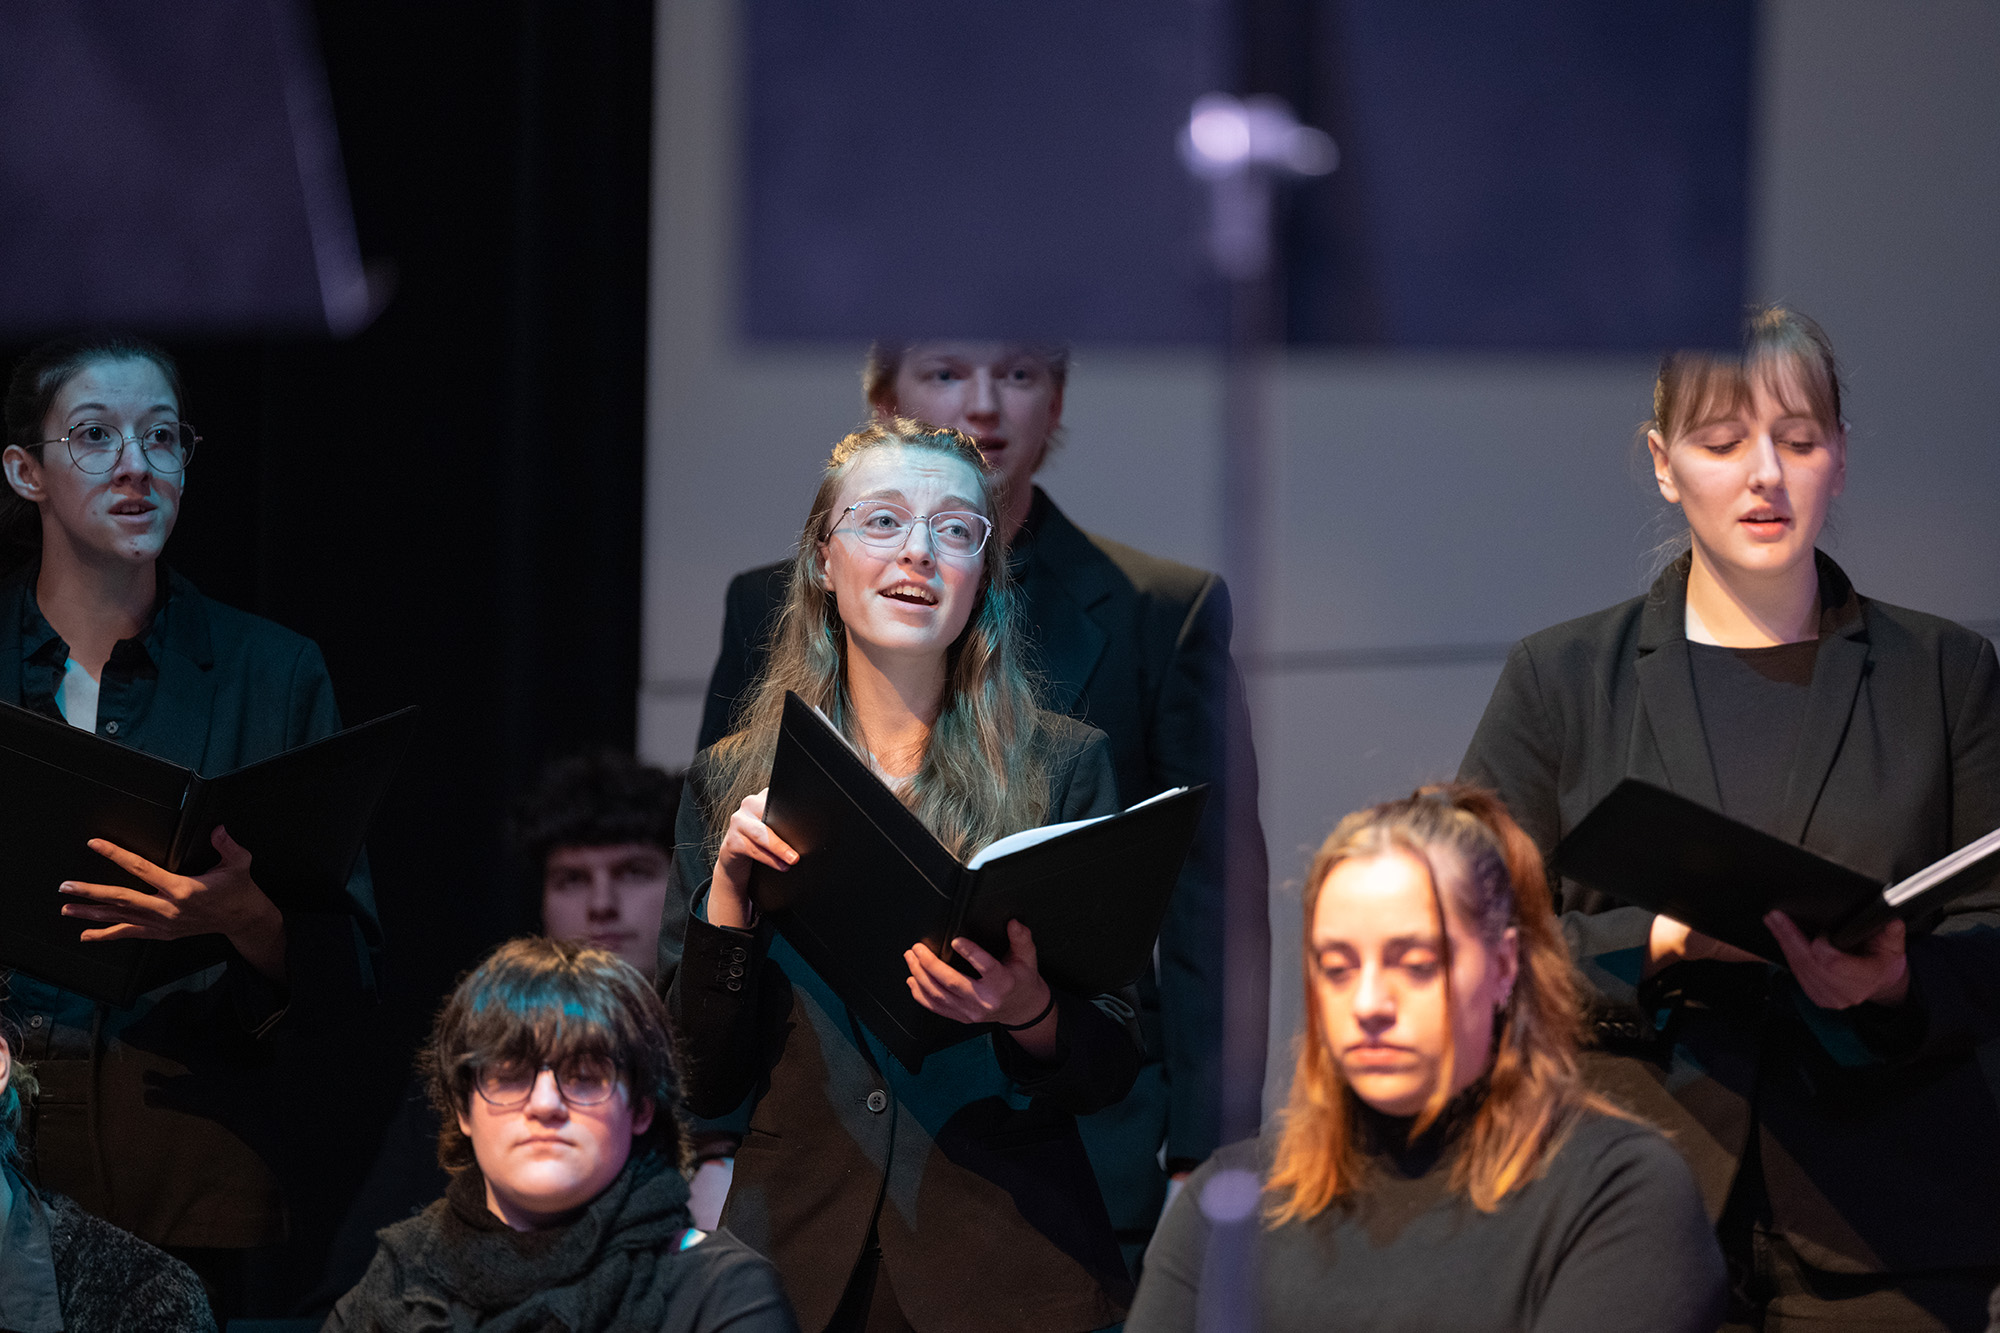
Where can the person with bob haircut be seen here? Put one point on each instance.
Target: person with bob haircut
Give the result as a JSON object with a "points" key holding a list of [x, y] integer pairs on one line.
{"points": [[1440, 1163], [552, 1070], [96, 631], [957, 1196], [1834, 1109]]}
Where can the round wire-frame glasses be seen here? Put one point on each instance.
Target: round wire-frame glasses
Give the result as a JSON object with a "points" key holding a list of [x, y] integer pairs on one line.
{"points": [[884, 523], [96, 446]]}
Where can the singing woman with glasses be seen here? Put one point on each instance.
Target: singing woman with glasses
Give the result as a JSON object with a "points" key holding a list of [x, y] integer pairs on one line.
{"points": [[148, 1116], [956, 1196], [552, 1071]]}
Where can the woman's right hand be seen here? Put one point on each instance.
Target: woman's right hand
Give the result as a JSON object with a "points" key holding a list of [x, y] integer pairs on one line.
{"points": [[748, 839], [1677, 942]]}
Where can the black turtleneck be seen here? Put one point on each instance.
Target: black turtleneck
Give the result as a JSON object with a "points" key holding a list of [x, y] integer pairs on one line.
{"points": [[1611, 1237]]}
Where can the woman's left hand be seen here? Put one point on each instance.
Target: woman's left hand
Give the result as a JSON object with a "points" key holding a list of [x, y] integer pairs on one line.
{"points": [[1835, 979], [1009, 990], [225, 901]]}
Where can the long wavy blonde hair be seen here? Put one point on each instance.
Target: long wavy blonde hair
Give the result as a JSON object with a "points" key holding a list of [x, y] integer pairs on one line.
{"points": [[1535, 1094], [985, 767]]}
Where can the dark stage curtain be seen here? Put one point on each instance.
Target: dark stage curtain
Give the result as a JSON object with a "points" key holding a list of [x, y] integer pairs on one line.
{"points": [[449, 502]]}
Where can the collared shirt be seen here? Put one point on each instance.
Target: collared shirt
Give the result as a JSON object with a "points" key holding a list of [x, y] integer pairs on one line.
{"points": [[128, 682], [28, 1297]]}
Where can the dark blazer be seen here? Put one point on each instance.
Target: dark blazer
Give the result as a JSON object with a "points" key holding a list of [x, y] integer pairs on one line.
{"points": [[158, 1118], [1878, 1133], [1137, 647], [971, 1171]]}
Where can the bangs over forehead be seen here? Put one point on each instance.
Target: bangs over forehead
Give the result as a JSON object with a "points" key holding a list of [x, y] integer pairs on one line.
{"points": [[538, 1001], [542, 1023], [1784, 353]]}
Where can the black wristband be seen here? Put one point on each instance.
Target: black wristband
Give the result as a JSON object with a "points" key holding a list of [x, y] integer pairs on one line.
{"points": [[1047, 1009]]}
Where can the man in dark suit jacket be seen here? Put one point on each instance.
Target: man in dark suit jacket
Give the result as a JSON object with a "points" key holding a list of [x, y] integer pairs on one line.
{"points": [[1136, 646]]}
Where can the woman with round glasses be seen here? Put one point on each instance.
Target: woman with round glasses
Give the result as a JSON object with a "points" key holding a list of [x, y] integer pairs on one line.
{"points": [[954, 1196], [553, 1074], [147, 1116]]}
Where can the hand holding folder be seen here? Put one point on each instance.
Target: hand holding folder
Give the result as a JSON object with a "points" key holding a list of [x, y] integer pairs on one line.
{"points": [[1661, 851], [67, 796], [871, 881]]}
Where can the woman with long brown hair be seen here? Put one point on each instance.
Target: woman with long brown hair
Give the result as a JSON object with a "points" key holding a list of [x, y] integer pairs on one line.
{"points": [[956, 1196], [1440, 1163]]}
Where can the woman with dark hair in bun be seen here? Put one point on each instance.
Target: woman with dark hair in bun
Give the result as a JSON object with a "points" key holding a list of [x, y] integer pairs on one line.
{"points": [[1834, 1109], [151, 1117]]}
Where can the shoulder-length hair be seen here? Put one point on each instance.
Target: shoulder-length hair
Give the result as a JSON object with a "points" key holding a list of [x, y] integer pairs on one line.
{"points": [[539, 1001], [1492, 879], [984, 772]]}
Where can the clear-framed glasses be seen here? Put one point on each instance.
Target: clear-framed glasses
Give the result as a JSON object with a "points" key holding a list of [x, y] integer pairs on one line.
{"points": [[587, 1080], [95, 446], [954, 532]]}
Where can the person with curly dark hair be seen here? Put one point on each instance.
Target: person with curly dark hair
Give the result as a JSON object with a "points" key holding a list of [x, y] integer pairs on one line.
{"points": [[553, 1074], [598, 831]]}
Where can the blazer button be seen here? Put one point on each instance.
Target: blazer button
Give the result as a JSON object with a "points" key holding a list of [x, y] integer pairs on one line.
{"points": [[111, 727], [878, 1101], [737, 955], [735, 983], [736, 969]]}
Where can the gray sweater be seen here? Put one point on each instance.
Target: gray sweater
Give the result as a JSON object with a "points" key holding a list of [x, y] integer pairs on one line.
{"points": [[1610, 1238]]}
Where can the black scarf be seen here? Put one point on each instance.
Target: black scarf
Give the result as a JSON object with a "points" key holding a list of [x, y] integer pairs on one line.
{"points": [[459, 1267]]}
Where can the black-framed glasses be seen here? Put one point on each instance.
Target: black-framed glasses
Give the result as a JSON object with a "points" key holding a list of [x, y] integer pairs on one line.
{"points": [[954, 532], [96, 446], [587, 1080]]}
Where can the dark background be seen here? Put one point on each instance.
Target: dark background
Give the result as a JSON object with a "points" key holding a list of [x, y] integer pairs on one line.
{"points": [[449, 502]]}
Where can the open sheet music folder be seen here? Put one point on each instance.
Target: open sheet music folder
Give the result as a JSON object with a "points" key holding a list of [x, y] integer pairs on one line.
{"points": [[871, 881], [1664, 852], [302, 816]]}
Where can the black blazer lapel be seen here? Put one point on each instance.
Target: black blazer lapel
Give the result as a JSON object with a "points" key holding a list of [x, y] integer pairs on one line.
{"points": [[1669, 722], [1838, 670]]}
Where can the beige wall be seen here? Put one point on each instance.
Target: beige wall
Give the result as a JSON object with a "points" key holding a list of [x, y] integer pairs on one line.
{"points": [[1427, 510]]}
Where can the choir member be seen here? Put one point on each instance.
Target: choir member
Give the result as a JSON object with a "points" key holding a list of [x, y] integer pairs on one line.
{"points": [[1130, 643], [1834, 1109], [552, 1072], [958, 1196], [150, 1116], [1440, 1163]]}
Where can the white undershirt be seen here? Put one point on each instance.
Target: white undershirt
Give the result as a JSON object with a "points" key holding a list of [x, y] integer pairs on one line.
{"points": [[76, 697]]}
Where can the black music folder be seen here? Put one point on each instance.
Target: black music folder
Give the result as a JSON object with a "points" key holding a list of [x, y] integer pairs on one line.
{"points": [[302, 816], [1669, 854], [871, 881]]}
